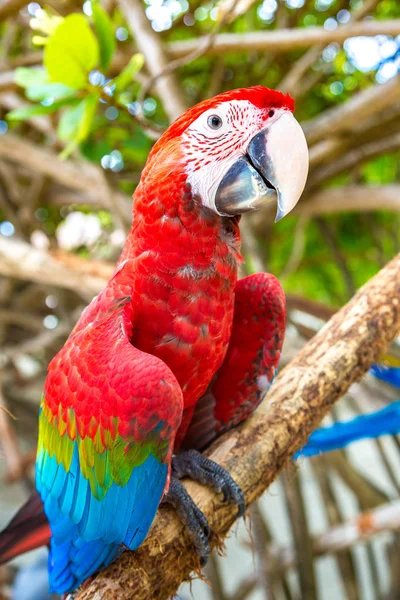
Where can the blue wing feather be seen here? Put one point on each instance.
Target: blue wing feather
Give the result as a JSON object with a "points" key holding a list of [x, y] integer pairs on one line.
{"points": [[88, 533]]}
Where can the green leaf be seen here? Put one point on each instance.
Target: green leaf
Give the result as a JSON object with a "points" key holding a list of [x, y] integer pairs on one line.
{"points": [[57, 91], [21, 114], [72, 52], [69, 122], [105, 34], [91, 103], [74, 125], [26, 77], [127, 74]]}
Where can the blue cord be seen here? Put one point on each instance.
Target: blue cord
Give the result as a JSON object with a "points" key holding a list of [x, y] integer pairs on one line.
{"points": [[386, 373], [382, 422]]}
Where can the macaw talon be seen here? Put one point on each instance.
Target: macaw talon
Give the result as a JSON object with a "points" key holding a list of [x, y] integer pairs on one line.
{"points": [[191, 516], [204, 470]]}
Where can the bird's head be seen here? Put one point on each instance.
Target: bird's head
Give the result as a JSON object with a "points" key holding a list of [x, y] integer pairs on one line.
{"points": [[239, 150]]}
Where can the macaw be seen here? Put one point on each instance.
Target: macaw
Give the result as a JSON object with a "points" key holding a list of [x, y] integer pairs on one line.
{"points": [[174, 351]]}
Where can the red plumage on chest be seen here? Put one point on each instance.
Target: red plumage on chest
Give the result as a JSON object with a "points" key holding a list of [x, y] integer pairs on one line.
{"points": [[187, 260]]}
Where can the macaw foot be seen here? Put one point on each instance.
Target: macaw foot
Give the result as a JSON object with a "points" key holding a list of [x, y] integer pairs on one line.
{"points": [[191, 516], [204, 470], [199, 468]]}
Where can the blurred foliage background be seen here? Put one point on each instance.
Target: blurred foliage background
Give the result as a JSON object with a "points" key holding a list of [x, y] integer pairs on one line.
{"points": [[104, 107], [85, 89]]}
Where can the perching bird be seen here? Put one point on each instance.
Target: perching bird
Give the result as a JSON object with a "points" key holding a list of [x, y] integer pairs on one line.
{"points": [[174, 350]]}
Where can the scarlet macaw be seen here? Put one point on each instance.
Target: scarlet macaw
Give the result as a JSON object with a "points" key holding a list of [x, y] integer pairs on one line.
{"points": [[174, 350]]}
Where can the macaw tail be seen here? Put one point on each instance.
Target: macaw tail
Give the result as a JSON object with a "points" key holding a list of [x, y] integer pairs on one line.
{"points": [[28, 530]]}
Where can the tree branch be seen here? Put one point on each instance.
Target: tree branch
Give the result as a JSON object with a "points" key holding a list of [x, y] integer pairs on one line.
{"points": [[81, 176], [10, 7], [284, 40], [343, 117], [7, 81], [22, 261], [149, 44], [10, 101], [338, 538], [341, 537], [352, 158], [360, 198], [255, 452]]}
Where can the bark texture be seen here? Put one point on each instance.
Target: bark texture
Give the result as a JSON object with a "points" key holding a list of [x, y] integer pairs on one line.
{"points": [[255, 452]]}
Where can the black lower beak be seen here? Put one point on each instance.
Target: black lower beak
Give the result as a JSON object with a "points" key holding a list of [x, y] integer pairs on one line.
{"points": [[243, 188]]}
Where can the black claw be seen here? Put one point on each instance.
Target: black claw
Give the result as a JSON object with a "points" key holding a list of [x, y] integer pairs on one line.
{"points": [[191, 516], [206, 471]]}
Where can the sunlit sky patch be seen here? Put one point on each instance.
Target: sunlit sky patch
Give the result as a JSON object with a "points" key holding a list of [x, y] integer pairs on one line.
{"points": [[162, 12], [370, 53], [7, 229]]}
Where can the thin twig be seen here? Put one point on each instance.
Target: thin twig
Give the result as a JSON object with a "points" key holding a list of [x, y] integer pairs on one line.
{"points": [[150, 46]]}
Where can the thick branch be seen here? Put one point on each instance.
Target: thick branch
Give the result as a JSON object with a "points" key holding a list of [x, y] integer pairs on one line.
{"points": [[255, 452], [360, 198], [284, 40], [19, 259], [343, 117]]}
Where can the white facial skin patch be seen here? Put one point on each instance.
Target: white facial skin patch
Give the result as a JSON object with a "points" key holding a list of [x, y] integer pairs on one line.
{"points": [[216, 139]]}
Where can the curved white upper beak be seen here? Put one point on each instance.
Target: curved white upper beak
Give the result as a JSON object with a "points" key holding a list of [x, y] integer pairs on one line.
{"points": [[275, 166], [287, 150]]}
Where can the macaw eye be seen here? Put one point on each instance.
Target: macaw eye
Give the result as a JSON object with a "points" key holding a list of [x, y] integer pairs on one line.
{"points": [[271, 112], [214, 122]]}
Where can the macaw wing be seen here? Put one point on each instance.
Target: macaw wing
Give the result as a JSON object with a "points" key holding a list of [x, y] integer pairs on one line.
{"points": [[249, 365], [107, 425]]}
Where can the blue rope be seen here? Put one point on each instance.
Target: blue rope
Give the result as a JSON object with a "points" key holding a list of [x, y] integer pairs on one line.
{"points": [[382, 422], [386, 373]]}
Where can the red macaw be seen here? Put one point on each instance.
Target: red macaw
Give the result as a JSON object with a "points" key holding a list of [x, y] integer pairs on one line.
{"points": [[173, 351]]}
